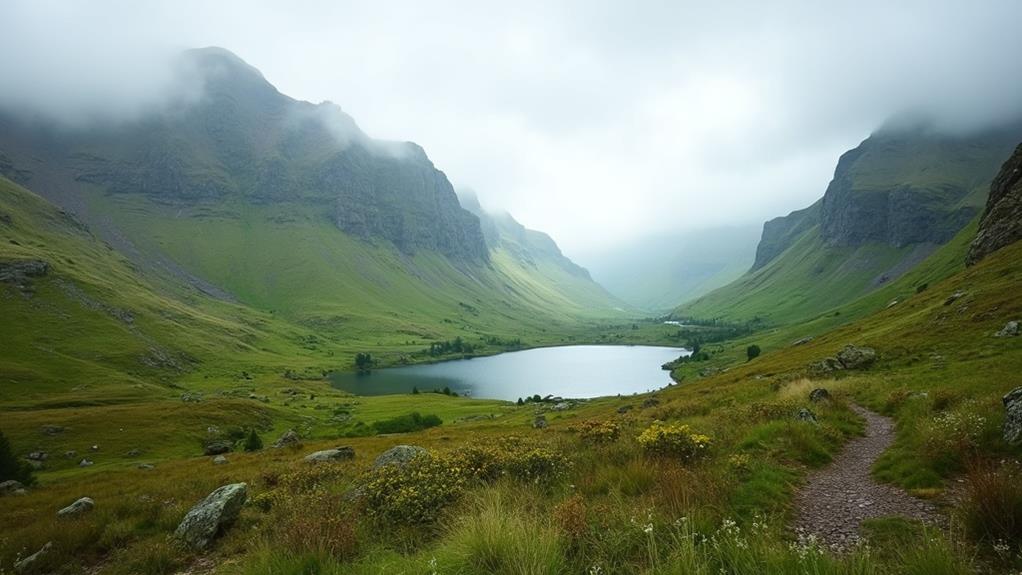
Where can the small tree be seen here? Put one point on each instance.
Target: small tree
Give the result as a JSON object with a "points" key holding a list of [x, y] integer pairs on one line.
{"points": [[752, 352], [363, 362], [415, 390], [252, 441], [11, 467], [520, 402]]}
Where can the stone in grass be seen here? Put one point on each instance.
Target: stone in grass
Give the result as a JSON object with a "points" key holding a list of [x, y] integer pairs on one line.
{"points": [[539, 422], [220, 460], [819, 394], [399, 455], [1013, 416], [289, 439], [804, 414], [1010, 329], [211, 516], [216, 448], [328, 455], [29, 563], [11, 487], [83, 505], [855, 357]]}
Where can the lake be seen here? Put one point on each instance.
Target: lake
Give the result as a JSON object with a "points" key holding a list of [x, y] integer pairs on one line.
{"points": [[577, 371]]}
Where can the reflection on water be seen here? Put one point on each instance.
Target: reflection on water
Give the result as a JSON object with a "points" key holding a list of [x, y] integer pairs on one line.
{"points": [[566, 371]]}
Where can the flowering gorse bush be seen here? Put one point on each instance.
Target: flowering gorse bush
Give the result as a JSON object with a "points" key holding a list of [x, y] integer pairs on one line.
{"points": [[420, 490], [597, 431], [674, 440]]}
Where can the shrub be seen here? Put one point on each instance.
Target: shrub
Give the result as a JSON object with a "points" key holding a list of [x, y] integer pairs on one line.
{"points": [[11, 467], [752, 352], [993, 508], [673, 440], [406, 423], [597, 431], [253, 442]]}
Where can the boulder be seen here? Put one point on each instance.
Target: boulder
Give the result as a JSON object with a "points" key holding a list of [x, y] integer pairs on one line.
{"points": [[855, 357], [37, 456], [217, 448], [86, 463], [289, 439], [819, 394], [954, 297], [134, 453], [1013, 416], [52, 429], [220, 460], [191, 397], [804, 414], [1010, 329], [327, 455], [11, 487], [802, 341], [28, 564], [539, 422], [399, 455], [145, 466], [211, 516], [83, 505]]}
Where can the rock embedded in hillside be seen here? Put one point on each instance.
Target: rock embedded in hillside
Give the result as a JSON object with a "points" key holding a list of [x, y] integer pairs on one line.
{"points": [[819, 394], [826, 365], [1013, 416], [539, 422], [220, 460], [342, 453], [954, 297], [191, 397], [20, 272], [28, 564], [650, 402], [802, 341], [86, 463], [145, 466], [83, 505], [37, 456], [289, 439], [211, 516], [11, 487], [218, 447], [1001, 223], [855, 357], [52, 430], [1010, 329], [134, 453], [399, 455], [624, 409], [804, 414]]}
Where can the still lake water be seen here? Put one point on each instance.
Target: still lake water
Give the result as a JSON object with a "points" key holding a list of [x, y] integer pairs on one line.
{"points": [[577, 371]]}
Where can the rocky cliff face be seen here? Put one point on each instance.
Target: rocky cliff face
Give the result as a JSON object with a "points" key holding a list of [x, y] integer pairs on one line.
{"points": [[1002, 220], [899, 187], [243, 140]]}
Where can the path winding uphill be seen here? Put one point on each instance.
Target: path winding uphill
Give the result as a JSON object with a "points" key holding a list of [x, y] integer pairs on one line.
{"points": [[836, 500]]}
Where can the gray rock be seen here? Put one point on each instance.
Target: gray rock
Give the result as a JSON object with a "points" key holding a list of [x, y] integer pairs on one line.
{"points": [[802, 341], [1001, 223], [145, 466], [217, 447], [220, 460], [1010, 329], [83, 505], [191, 397], [804, 414], [85, 463], [327, 455], [819, 394], [289, 439], [855, 357], [539, 422], [1013, 416], [561, 406], [399, 455], [134, 453], [10, 487], [37, 456], [52, 429], [20, 272], [29, 563], [954, 297], [70, 454], [211, 516]]}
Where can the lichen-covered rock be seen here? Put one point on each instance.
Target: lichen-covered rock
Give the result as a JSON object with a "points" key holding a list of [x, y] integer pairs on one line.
{"points": [[343, 453], [855, 357], [399, 455], [289, 439], [1013, 416], [212, 515], [826, 365], [83, 505], [819, 394], [804, 414], [217, 448], [1001, 223], [28, 564], [11, 487], [1010, 329]]}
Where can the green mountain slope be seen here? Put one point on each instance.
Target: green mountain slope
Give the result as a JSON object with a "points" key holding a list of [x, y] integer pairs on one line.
{"points": [[893, 201]]}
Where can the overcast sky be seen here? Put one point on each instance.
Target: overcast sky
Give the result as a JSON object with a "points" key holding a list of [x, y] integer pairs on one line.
{"points": [[594, 121]]}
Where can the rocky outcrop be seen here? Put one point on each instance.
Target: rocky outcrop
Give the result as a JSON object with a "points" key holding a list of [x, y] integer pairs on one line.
{"points": [[539, 422], [1002, 219], [210, 517], [819, 394], [343, 453], [11, 487], [1010, 329], [805, 415], [780, 233], [31, 563], [217, 447], [399, 455], [1013, 416], [83, 505], [855, 357], [289, 439]]}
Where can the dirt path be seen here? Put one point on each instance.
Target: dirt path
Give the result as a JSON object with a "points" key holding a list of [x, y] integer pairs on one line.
{"points": [[835, 500]]}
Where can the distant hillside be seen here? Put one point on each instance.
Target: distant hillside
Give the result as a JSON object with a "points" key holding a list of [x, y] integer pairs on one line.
{"points": [[285, 206], [660, 272], [893, 200]]}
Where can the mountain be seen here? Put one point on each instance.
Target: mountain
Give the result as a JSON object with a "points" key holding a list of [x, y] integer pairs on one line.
{"points": [[658, 272], [246, 195], [1001, 224], [893, 200]]}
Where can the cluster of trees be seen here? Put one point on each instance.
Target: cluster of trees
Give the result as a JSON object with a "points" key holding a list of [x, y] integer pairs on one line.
{"points": [[457, 345], [363, 362], [11, 467], [445, 391]]}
